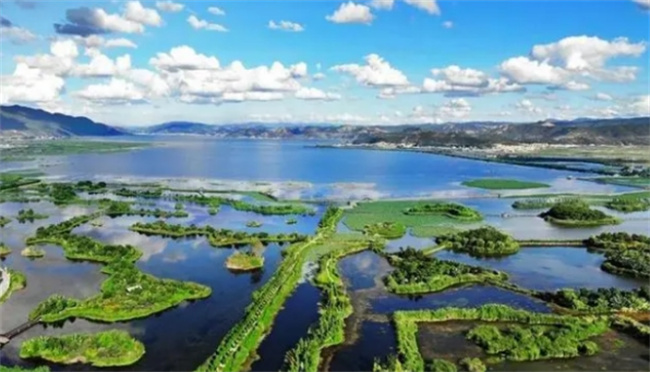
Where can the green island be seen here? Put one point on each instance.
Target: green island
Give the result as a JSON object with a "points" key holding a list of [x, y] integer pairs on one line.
{"points": [[272, 208], [625, 254], [291, 221], [601, 300], [540, 203], [571, 333], [104, 349], [425, 218], [482, 242], [386, 230], [216, 237], [17, 281], [244, 261], [254, 224], [503, 184], [628, 205], [120, 208], [244, 338], [577, 213], [417, 272], [28, 215], [139, 193], [335, 307], [4, 221], [4, 250], [32, 252]]}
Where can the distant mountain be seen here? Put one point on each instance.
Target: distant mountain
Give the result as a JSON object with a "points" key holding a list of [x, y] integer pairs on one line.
{"points": [[34, 122]]}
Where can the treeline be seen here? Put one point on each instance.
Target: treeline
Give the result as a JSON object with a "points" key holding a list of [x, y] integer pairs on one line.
{"points": [[602, 300], [452, 210], [240, 205], [120, 208], [482, 242], [25, 215], [625, 254], [628, 205], [576, 213], [416, 272]]}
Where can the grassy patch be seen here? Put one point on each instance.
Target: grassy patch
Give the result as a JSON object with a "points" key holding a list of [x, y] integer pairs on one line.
{"points": [[104, 349], [17, 282], [503, 184], [244, 261]]}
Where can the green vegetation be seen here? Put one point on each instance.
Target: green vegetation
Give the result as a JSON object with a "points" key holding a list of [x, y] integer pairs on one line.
{"points": [[104, 349], [145, 194], [32, 252], [534, 203], [503, 184], [90, 187], [244, 338], [4, 221], [473, 365], [407, 328], [216, 237], [120, 208], [28, 215], [240, 205], [482, 242], [625, 254], [386, 230], [4, 250], [335, 307], [213, 210], [292, 221], [253, 224], [416, 272], [79, 247], [631, 326], [14, 180], [576, 213], [425, 218], [244, 261], [626, 181], [441, 365], [17, 282], [20, 369], [518, 343], [62, 193], [628, 205], [30, 150], [602, 300], [127, 294]]}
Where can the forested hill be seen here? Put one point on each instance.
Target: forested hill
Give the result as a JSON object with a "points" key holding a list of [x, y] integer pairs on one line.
{"points": [[635, 131], [34, 122]]}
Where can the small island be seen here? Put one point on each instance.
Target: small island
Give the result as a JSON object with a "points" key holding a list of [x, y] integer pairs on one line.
{"points": [[387, 230], [33, 252], [292, 221], [4, 221], [503, 184], [16, 279], [625, 254], [482, 242], [576, 213], [4, 250], [28, 215], [452, 210], [244, 261], [104, 349], [254, 224], [628, 205]]}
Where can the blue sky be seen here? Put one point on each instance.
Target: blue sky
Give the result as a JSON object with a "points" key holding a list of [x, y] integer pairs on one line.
{"points": [[345, 62]]}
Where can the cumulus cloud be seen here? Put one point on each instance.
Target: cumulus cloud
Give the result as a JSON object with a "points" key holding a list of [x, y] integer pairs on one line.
{"points": [[643, 4], [86, 21], [216, 11], [382, 4], [120, 43], [117, 91], [375, 73], [286, 26], [456, 81], [200, 24], [96, 41], [313, 94], [31, 85], [183, 58], [429, 6], [602, 97], [318, 76], [640, 105], [58, 62], [351, 13], [16, 35], [527, 106], [102, 66], [169, 6], [455, 108]]}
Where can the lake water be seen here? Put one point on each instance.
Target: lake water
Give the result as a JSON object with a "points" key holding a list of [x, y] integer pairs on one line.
{"points": [[183, 337]]}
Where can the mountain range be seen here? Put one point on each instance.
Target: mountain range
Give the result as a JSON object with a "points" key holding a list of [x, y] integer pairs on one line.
{"points": [[620, 131]]}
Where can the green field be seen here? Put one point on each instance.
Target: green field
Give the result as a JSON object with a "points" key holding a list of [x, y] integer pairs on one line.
{"points": [[625, 181], [32, 149], [503, 184], [422, 225]]}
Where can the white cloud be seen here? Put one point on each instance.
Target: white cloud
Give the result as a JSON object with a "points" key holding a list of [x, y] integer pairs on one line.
{"points": [[382, 4], [16, 35], [169, 6], [183, 58], [59, 62], [199, 24], [286, 26], [251, 96], [134, 11], [375, 73], [455, 108], [316, 94], [115, 22], [102, 66], [318, 76], [95, 41], [526, 105], [456, 81], [641, 105], [643, 4], [29, 84], [526, 71], [602, 97], [216, 11], [351, 13], [448, 24], [120, 43], [117, 91], [392, 92], [430, 6]]}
